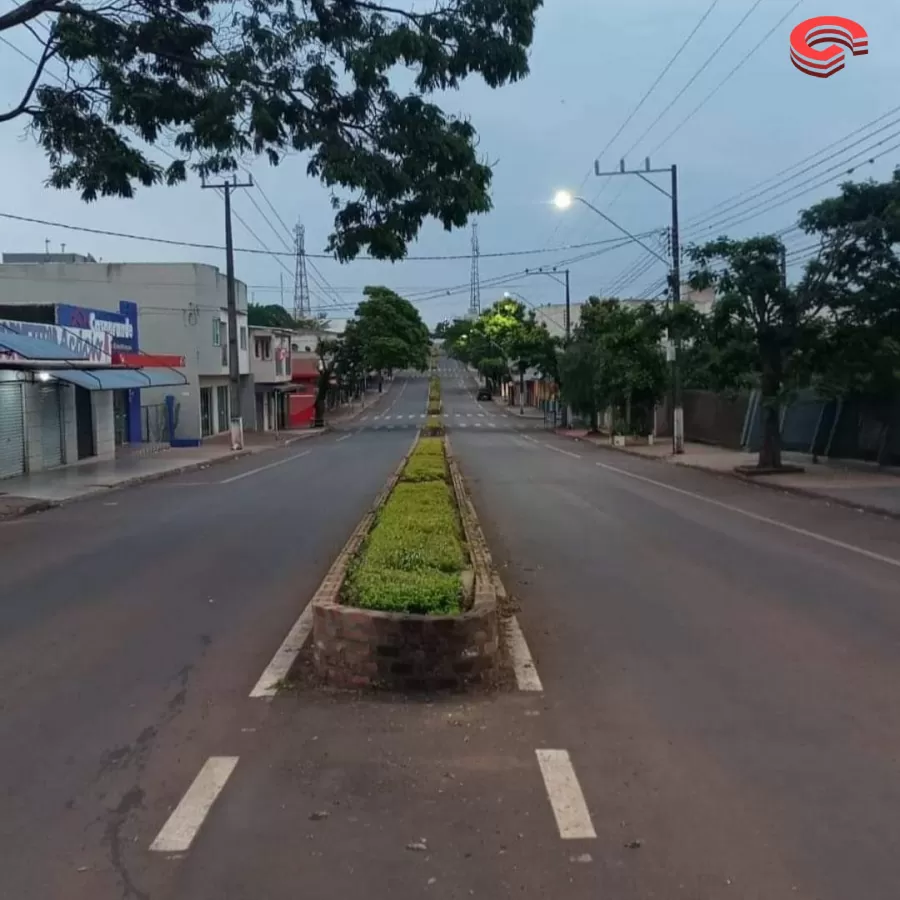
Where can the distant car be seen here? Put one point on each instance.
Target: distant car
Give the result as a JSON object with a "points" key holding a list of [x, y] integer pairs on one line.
{"points": [[484, 394]]}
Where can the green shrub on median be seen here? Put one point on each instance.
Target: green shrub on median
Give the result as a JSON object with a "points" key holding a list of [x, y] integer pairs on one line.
{"points": [[413, 557]]}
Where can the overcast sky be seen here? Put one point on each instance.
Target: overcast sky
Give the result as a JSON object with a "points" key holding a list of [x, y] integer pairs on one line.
{"points": [[591, 63]]}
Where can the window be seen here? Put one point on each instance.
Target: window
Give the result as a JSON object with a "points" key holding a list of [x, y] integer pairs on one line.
{"points": [[243, 333], [257, 348], [217, 332], [223, 334]]}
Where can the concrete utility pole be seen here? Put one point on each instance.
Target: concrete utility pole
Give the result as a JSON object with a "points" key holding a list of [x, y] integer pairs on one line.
{"points": [[234, 365], [673, 352]]}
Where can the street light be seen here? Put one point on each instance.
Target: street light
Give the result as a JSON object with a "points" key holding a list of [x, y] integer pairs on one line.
{"points": [[564, 199]]}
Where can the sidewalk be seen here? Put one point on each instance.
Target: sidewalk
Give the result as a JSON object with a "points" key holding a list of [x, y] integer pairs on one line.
{"points": [[44, 490], [530, 412], [848, 485]]}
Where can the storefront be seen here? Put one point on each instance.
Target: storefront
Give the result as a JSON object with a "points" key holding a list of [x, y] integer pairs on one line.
{"points": [[122, 328], [58, 389]]}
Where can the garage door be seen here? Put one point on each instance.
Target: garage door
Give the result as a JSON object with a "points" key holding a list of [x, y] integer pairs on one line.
{"points": [[12, 431], [51, 425]]}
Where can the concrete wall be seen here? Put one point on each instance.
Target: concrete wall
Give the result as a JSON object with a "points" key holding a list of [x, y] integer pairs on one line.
{"points": [[177, 303]]}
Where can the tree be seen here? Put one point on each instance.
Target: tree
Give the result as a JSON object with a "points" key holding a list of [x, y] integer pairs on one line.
{"points": [[767, 329], [273, 315], [615, 361], [341, 368], [217, 81], [391, 332], [855, 280]]}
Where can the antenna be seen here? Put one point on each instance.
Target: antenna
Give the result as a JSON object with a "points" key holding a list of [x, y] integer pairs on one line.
{"points": [[475, 287], [302, 304]]}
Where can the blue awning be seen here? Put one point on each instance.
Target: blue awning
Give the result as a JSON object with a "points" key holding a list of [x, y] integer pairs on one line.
{"points": [[35, 348], [119, 379]]}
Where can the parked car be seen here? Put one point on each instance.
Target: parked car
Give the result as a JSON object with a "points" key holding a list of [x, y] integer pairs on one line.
{"points": [[484, 394]]}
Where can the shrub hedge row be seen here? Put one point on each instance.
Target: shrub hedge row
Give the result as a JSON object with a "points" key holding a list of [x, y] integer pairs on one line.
{"points": [[414, 555]]}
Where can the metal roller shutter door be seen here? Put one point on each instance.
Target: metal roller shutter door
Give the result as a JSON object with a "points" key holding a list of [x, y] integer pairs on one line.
{"points": [[12, 431], [50, 405]]}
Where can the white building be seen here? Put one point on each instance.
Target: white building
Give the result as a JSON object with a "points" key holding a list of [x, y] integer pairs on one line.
{"points": [[182, 311], [270, 366]]}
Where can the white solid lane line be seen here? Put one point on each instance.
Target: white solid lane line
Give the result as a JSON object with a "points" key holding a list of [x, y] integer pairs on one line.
{"points": [[273, 465], [564, 452], [184, 823], [566, 798], [284, 657], [346, 437], [527, 678], [832, 542]]}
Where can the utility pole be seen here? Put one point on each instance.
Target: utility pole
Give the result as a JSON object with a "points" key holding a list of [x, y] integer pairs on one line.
{"points": [[234, 364], [678, 411], [673, 350]]}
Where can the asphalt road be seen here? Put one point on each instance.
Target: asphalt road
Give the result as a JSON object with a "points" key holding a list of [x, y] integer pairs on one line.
{"points": [[718, 661], [132, 628]]}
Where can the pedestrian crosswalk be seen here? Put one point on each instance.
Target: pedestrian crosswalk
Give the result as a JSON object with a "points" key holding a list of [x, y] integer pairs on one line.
{"points": [[390, 421]]}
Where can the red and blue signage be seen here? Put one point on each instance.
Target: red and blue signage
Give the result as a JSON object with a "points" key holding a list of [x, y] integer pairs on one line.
{"points": [[122, 326]]}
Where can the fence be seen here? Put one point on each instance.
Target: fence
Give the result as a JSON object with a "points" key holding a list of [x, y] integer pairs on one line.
{"points": [[840, 429]]}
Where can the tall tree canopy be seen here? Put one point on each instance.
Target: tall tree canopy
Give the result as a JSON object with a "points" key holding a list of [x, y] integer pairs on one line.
{"points": [[216, 81], [391, 332], [615, 360], [855, 281], [766, 330], [273, 315]]}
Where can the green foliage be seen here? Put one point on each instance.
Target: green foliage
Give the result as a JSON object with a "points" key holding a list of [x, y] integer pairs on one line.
{"points": [[763, 327], [425, 468], [216, 82], [504, 335], [414, 555], [391, 332], [856, 278], [273, 315], [428, 447], [434, 389], [615, 359], [424, 591]]}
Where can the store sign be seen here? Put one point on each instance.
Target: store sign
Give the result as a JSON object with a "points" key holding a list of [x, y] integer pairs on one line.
{"points": [[81, 343], [122, 327]]}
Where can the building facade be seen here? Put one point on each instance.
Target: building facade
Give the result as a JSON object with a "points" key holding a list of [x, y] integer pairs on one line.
{"points": [[176, 309], [58, 388]]}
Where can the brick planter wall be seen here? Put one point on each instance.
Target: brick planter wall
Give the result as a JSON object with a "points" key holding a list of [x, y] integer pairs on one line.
{"points": [[359, 648]]}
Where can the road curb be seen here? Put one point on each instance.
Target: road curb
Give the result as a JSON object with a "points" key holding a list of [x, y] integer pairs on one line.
{"points": [[809, 494]]}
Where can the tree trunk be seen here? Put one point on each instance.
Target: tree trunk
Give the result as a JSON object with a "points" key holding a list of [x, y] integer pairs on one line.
{"points": [[770, 449], [521, 387], [595, 420], [321, 395]]}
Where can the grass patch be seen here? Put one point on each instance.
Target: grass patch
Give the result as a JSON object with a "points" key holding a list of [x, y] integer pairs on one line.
{"points": [[434, 390], [413, 557]]}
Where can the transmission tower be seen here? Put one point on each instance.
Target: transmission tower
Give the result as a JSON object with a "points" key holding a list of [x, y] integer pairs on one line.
{"points": [[475, 289], [302, 304]]}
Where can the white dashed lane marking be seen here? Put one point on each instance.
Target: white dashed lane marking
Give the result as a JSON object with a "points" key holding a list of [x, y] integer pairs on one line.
{"points": [[182, 826], [566, 798]]}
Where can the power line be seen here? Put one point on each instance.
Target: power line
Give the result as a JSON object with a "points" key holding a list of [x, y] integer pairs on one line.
{"points": [[784, 181], [642, 101], [854, 133], [761, 208], [697, 74], [725, 80], [150, 239]]}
